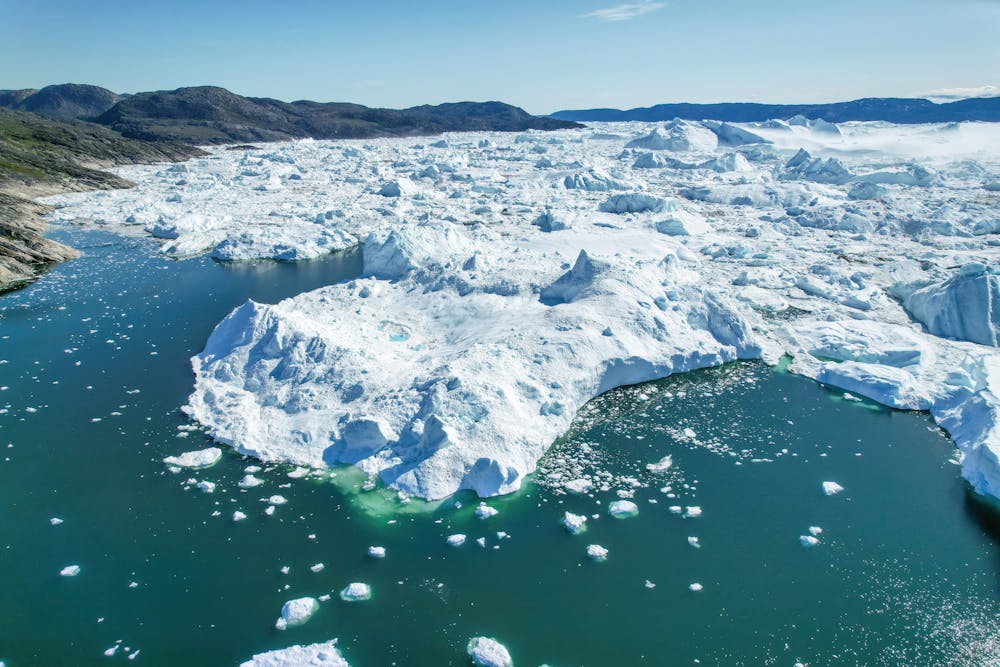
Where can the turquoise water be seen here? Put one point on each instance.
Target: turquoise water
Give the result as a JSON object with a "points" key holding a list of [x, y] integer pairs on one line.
{"points": [[906, 572]]}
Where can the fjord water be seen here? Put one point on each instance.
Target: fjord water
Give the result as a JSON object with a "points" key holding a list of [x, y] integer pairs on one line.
{"points": [[95, 367]]}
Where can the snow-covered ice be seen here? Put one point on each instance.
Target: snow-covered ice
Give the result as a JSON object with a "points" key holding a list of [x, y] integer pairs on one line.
{"points": [[832, 488], [324, 654], [509, 278], [356, 592], [487, 652], [597, 552], [296, 612], [574, 523], [623, 509], [202, 458]]}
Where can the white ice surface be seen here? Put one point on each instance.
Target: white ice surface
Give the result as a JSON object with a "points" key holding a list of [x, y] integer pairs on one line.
{"points": [[496, 300], [486, 652], [324, 654]]}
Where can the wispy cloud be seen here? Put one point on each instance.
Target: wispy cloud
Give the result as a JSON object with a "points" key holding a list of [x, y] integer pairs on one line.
{"points": [[955, 94], [625, 12]]}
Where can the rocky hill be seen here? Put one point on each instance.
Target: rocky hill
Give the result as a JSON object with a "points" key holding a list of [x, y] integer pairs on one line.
{"points": [[210, 115], [41, 156], [66, 101]]}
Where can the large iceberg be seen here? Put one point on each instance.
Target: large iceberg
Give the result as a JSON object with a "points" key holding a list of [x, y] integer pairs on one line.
{"points": [[965, 307], [324, 654]]}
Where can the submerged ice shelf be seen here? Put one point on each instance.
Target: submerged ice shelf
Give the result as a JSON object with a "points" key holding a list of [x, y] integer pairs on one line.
{"points": [[508, 279]]}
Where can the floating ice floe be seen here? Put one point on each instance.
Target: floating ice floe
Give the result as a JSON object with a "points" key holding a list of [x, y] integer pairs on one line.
{"points": [[356, 592], [597, 552], [487, 652], [574, 523], [55, 521], [662, 465], [202, 458], [808, 540], [296, 612], [832, 488], [456, 540], [695, 587], [69, 571], [376, 552], [484, 511], [623, 509], [324, 654]]}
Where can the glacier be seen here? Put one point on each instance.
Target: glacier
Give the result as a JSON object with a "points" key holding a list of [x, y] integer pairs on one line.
{"points": [[510, 278]]}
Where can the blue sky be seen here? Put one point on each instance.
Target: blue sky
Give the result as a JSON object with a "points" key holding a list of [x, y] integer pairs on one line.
{"points": [[540, 55]]}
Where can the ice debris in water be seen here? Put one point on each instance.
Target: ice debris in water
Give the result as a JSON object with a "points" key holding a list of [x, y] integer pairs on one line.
{"points": [[692, 511], [249, 481], [695, 587], [318, 567], [314, 655], [355, 592], [296, 612], [456, 540], [597, 552], [815, 530], [832, 488], [484, 511], [202, 458], [579, 486], [55, 521], [206, 486], [239, 516], [376, 552], [623, 509], [574, 523], [695, 542], [808, 540], [662, 465], [70, 571], [487, 652]]}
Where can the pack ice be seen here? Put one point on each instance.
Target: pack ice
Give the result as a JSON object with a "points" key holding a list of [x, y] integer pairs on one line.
{"points": [[508, 279]]}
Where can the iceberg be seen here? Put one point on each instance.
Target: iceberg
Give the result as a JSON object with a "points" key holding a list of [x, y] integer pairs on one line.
{"points": [[296, 612], [964, 307], [324, 654], [487, 652], [202, 458]]}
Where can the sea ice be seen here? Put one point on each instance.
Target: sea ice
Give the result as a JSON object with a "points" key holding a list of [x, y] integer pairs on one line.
{"points": [[296, 612], [597, 552], [487, 652], [484, 511], [356, 592], [574, 523], [314, 655], [376, 552], [808, 540], [832, 488], [70, 571], [623, 509], [202, 458], [456, 540]]}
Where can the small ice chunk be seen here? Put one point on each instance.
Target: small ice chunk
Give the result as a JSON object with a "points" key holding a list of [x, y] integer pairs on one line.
{"points": [[355, 592], [202, 458], [832, 488], [481, 541], [299, 473], [695, 587], [574, 523], [296, 612], [808, 540], [249, 481], [693, 541], [690, 433], [623, 509], [376, 552], [815, 530], [238, 516], [484, 511], [650, 584], [692, 511], [55, 521], [109, 651], [318, 567], [597, 552], [206, 486], [675, 509], [662, 465], [270, 510], [456, 540], [579, 486], [486, 652], [277, 500], [70, 571]]}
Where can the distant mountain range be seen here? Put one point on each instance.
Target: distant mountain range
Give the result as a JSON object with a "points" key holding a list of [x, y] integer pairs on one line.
{"points": [[210, 115], [894, 110]]}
